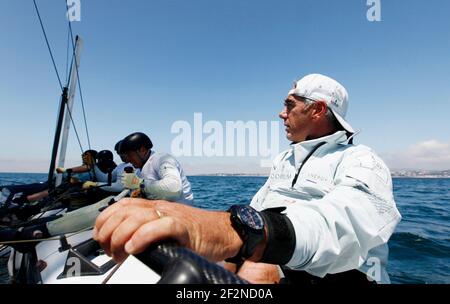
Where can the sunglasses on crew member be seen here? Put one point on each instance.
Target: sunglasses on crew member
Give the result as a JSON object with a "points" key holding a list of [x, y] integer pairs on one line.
{"points": [[290, 104]]}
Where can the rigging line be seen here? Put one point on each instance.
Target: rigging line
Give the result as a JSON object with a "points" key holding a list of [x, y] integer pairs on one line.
{"points": [[74, 128], [84, 112], [112, 273], [82, 106], [48, 44], [67, 56], [78, 79]]}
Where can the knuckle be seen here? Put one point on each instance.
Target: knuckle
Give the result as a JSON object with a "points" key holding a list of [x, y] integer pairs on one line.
{"points": [[172, 222]]}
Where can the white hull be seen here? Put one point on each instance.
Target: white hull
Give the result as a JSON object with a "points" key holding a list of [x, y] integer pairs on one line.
{"points": [[131, 271], [55, 257], [75, 258]]}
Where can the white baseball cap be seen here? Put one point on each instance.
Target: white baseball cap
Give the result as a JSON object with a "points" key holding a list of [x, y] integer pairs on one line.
{"points": [[319, 87]]}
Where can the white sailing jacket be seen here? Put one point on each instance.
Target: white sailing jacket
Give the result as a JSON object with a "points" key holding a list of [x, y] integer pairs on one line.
{"points": [[164, 179], [341, 206]]}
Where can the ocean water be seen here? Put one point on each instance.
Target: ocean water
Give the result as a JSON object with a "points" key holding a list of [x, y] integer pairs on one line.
{"points": [[419, 249]]}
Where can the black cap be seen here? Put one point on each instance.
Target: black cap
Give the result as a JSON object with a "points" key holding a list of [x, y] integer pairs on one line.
{"points": [[104, 155], [135, 141]]}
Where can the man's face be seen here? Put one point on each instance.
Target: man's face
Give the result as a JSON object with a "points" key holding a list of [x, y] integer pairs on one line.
{"points": [[296, 119], [87, 159], [136, 158]]}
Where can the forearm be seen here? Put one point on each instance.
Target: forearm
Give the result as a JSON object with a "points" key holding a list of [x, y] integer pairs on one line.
{"points": [[260, 273], [169, 188], [80, 169], [114, 187], [37, 196], [255, 273]]}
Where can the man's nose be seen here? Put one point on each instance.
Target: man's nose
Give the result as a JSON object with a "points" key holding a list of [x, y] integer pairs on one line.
{"points": [[283, 114]]}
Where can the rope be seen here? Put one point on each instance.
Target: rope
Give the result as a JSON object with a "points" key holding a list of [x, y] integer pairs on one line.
{"points": [[74, 128], [48, 44], [112, 273], [56, 70], [78, 79], [67, 58]]}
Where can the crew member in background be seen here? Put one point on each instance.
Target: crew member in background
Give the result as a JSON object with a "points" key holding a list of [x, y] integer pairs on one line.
{"points": [[116, 182], [161, 175]]}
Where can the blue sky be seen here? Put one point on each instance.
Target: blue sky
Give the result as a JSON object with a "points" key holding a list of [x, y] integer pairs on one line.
{"points": [[147, 64]]}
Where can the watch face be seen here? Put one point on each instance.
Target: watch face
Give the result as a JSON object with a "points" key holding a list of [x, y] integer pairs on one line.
{"points": [[251, 217]]}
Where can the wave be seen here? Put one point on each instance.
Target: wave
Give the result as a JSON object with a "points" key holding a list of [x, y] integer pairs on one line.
{"points": [[409, 244]]}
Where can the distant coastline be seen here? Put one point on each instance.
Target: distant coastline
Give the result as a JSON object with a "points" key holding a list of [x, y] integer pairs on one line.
{"points": [[420, 174], [232, 174], [394, 174], [424, 176]]}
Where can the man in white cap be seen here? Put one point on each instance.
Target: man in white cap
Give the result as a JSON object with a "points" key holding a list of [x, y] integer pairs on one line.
{"points": [[325, 213], [338, 196]]}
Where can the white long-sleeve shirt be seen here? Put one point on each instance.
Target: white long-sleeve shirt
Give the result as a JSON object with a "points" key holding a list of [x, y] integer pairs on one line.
{"points": [[342, 206], [164, 179]]}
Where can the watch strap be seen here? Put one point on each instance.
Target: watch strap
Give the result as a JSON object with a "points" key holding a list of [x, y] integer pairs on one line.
{"points": [[281, 238], [248, 237]]}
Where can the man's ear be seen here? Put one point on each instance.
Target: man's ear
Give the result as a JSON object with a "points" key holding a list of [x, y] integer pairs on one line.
{"points": [[320, 109]]}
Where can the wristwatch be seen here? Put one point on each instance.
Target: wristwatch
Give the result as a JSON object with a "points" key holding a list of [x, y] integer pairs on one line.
{"points": [[249, 224]]}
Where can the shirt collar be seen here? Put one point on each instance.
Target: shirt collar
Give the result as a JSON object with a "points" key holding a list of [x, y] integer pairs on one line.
{"points": [[149, 158], [302, 149]]}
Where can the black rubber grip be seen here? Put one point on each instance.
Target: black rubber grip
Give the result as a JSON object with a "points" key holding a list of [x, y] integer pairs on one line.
{"points": [[179, 265]]}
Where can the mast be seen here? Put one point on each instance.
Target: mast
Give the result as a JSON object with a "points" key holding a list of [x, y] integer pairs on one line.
{"points": [[66, 100], [62, 106]]}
